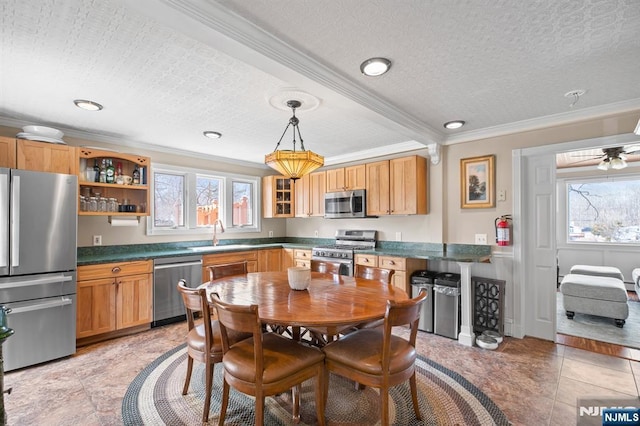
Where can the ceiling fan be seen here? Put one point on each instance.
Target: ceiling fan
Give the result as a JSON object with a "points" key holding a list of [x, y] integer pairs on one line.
{"points": [[614, 157]]}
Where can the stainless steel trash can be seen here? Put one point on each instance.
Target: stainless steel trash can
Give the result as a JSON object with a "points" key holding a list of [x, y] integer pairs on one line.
{"points": [[423, 280], [446, 305]]}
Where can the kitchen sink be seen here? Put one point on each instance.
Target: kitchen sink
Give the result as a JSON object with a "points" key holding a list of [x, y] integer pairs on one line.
{"points": [[220, 248]]}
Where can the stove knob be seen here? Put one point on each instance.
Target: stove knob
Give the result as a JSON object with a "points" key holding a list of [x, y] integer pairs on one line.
{"points": [[344, 254], [322, 253]]}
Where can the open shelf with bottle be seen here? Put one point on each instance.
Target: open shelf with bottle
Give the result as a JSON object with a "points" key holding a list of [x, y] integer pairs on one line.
{"points": [[128, 195]]}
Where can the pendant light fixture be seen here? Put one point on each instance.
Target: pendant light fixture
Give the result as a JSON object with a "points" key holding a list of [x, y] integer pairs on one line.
{"points": [[291, 163]]}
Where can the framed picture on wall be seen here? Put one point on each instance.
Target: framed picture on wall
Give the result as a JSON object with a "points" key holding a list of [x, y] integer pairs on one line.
{"points": [[477, 182]]}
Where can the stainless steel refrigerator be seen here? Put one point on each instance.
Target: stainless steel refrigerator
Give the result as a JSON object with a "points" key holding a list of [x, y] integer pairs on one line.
{"points": [[38, 234]]}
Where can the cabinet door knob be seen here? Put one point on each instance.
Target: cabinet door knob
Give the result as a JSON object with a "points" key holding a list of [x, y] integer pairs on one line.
{"points": [[116, 269]]}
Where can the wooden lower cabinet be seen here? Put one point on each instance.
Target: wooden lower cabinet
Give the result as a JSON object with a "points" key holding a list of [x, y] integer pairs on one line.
{"points": [[287, 258], [403, 267], [302, 257], [113, 297], [295, 257], [217, 259], [270, 260]]}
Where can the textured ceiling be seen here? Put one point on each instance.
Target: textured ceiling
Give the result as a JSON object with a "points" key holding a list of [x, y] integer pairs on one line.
{"points": [[168, 70]]}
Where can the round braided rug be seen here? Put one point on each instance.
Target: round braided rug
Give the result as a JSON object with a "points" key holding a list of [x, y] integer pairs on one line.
{"points": [[445, 398]]}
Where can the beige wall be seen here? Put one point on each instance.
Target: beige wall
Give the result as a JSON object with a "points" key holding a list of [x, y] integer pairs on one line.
{"points": [[461, 225]]}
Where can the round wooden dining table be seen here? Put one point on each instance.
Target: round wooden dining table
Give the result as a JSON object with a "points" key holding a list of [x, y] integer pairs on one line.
{"points": [[330, 301]]}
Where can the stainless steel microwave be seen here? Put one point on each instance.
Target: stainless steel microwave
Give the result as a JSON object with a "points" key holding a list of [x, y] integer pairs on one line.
{"points": [[346, 204]]}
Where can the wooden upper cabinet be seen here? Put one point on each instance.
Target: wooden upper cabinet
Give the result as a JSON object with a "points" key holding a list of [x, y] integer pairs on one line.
{"points": [[378, 188], [335, 180], [309, 195], [355, 177], [46, 157], [317, 185], [7, 152], [346, 178], [397, 187], [408, 185]]}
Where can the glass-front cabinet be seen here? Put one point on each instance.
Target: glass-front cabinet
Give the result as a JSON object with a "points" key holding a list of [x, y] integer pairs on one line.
{"points": [[277, 197], [112, 183]]}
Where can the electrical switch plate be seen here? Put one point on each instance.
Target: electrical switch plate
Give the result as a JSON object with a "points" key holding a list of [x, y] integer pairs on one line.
{"points": [[481, 238], [502, 195], [398, 236], [97, 240], [270, 234]]}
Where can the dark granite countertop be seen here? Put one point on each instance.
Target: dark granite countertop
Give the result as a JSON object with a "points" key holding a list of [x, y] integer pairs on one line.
{"points": [[429, 251]]}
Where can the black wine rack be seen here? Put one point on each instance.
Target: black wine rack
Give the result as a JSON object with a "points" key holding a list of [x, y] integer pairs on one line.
{"points": [[488, 306]]}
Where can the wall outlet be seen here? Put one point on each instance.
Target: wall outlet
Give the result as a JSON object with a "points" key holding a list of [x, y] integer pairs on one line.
{"points": [[270, 234], [502, 195], [315, 233], [481, 238], [97, 240], [398, 236]]}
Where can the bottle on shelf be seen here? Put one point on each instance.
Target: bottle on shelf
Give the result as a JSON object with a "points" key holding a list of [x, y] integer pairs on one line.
{"points": [[103, 171], [111, 171], [119, 177], [136, 175], [96, 169]]}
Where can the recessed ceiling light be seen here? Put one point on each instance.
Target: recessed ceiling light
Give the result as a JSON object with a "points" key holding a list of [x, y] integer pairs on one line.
{"points": [[212, 135], [375, 66], [88, 105], [456, 124]]}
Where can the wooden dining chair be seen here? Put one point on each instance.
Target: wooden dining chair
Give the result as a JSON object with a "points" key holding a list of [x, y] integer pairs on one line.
{"points": [[227, 269], [266, 364], [325, 267], [384, 276], [376, 357], [204, 342], [376, 274]]}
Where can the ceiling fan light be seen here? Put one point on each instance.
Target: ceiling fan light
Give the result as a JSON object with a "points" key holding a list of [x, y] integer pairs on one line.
{"points": [[618, 163], [604, 165]]}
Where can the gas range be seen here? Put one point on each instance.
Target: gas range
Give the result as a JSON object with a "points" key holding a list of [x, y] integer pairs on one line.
{"points": [[347, 242]]}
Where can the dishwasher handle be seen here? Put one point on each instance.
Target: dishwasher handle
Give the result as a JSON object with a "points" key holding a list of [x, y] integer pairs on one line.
{"points": [[178, 265]]}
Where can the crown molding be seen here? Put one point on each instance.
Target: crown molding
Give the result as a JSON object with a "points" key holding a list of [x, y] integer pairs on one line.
{"points": [[375, 152], [546, 121]]}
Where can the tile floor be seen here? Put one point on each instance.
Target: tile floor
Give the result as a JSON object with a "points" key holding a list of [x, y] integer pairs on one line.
{"points": [[534, 382]]}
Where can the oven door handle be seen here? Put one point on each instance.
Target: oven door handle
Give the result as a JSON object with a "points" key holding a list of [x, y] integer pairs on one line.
{"points": [[37, 306]]}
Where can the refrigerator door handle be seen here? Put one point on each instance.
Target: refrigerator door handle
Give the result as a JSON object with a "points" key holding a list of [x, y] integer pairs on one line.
{"points": [[15, 221], [38, 281], [37, 306], [4, 220]]}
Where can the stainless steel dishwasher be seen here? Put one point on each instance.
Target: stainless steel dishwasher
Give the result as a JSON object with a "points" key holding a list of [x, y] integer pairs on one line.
{"points": [[167, 271]]}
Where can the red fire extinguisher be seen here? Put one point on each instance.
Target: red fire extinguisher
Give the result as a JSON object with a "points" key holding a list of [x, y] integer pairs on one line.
{"points": [[502, 230]]}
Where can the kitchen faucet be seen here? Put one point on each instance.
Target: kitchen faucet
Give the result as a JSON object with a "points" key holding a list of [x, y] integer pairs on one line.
{"points": [[215, 229]]}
